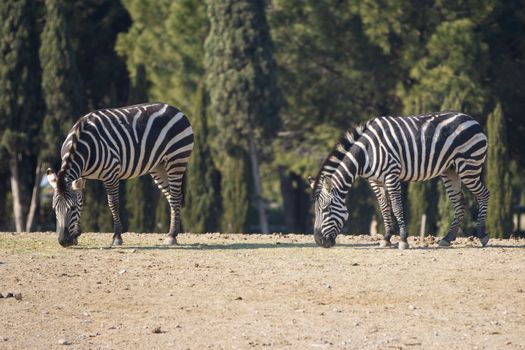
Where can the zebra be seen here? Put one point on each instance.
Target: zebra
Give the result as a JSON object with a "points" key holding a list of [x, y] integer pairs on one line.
{"points": [[388, 150], [121, 143]]}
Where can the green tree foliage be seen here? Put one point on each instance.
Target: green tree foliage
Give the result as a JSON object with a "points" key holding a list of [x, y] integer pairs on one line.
{"points": [[61, 84], [167, 37], [94, 27], [454, 66], [504, 31], [20, 100], [241, 72], [499, 222], [242, 84], [202, 208]]}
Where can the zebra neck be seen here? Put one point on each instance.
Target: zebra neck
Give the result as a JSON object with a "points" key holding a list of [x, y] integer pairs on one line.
{"points": [[72, 167], [344, 165]]}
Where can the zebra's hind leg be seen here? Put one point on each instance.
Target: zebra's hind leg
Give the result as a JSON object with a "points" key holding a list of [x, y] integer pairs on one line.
{"points": [[453, 188], [480, 192], [112, 190], [160, 176], [169, 179], [380, 193], [394, 191]]}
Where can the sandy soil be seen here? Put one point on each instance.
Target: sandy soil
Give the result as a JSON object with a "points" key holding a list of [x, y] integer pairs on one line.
{"points": [[250, 291]]}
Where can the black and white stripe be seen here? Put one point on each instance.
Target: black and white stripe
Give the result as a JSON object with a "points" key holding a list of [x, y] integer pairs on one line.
{"points": [[389, 150], [122, 143]]}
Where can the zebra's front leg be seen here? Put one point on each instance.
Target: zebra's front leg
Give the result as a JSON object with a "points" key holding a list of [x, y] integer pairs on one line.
{"points": [[394, 191], [380, 193], [112, 189]]}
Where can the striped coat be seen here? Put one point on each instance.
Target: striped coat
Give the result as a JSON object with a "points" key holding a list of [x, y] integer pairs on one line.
{"points": [[389, 150], [121, 143]]}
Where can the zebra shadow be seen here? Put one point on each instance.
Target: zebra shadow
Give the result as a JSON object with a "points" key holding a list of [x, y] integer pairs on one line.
{"points": [[225, 246]]}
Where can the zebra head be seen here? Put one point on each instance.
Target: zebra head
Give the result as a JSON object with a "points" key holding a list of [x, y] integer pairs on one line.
{"points": [[67, 203], [330, 211]]}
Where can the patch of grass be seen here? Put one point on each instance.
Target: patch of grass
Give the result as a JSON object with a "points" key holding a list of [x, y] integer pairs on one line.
{"points": [[15, 243]]}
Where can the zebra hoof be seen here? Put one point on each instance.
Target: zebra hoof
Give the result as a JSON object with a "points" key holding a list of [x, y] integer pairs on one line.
{"points": [[116, 242], [444, 243], [403, 245], [384, 243], [171, 241], [484, 240]]}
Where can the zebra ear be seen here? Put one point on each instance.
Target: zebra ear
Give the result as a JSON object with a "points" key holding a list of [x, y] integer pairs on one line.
{"points": [[311, 181], [78, 184], [327, 183], [52, 178]]}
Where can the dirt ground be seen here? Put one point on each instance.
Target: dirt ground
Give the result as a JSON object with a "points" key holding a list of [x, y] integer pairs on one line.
{"points": [[227, 291]]}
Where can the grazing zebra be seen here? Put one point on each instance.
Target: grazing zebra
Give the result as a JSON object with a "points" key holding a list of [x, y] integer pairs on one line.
{"points": [[388, 150], [121, 143]]}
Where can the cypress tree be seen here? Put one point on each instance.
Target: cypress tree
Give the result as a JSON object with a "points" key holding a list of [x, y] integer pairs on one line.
{"points": [[418, 205], [234, 191], [243, 90], [201, 210], [61, 82], [20, 101], [141, 193], [498, 176], [445, 211]]}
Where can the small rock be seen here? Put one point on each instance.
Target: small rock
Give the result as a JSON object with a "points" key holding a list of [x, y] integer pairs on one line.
{"points": [[328, 286], [156, 330], [133, 250], [412, 307], [238, 298], [122, 271], [196, 265], [9, 295], [64, 342], [18, 296], [520, 290], [1, 296], [355, 264]]}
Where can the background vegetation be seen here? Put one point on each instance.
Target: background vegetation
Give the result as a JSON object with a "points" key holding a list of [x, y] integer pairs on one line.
{"points": [[269, 87]]}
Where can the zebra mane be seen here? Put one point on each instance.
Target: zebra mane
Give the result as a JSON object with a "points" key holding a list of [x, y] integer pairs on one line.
{"points": [[337, 154], [68, 156]]}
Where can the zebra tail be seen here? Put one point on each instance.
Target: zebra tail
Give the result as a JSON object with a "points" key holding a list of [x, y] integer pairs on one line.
{"points": [[183, 188]]}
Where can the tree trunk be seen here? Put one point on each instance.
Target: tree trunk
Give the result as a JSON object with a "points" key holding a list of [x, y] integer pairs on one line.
{"points": [[287, 191], [35, 198], [4, 188], [263, 221], [16, 193]]}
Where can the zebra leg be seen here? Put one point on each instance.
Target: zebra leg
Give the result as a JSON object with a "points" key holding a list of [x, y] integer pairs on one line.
{"points": [[175, 177], [480, 192], [380, 193], [453, 188], [112, 190], [169, 181], [393, 186], [160, 176]]}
